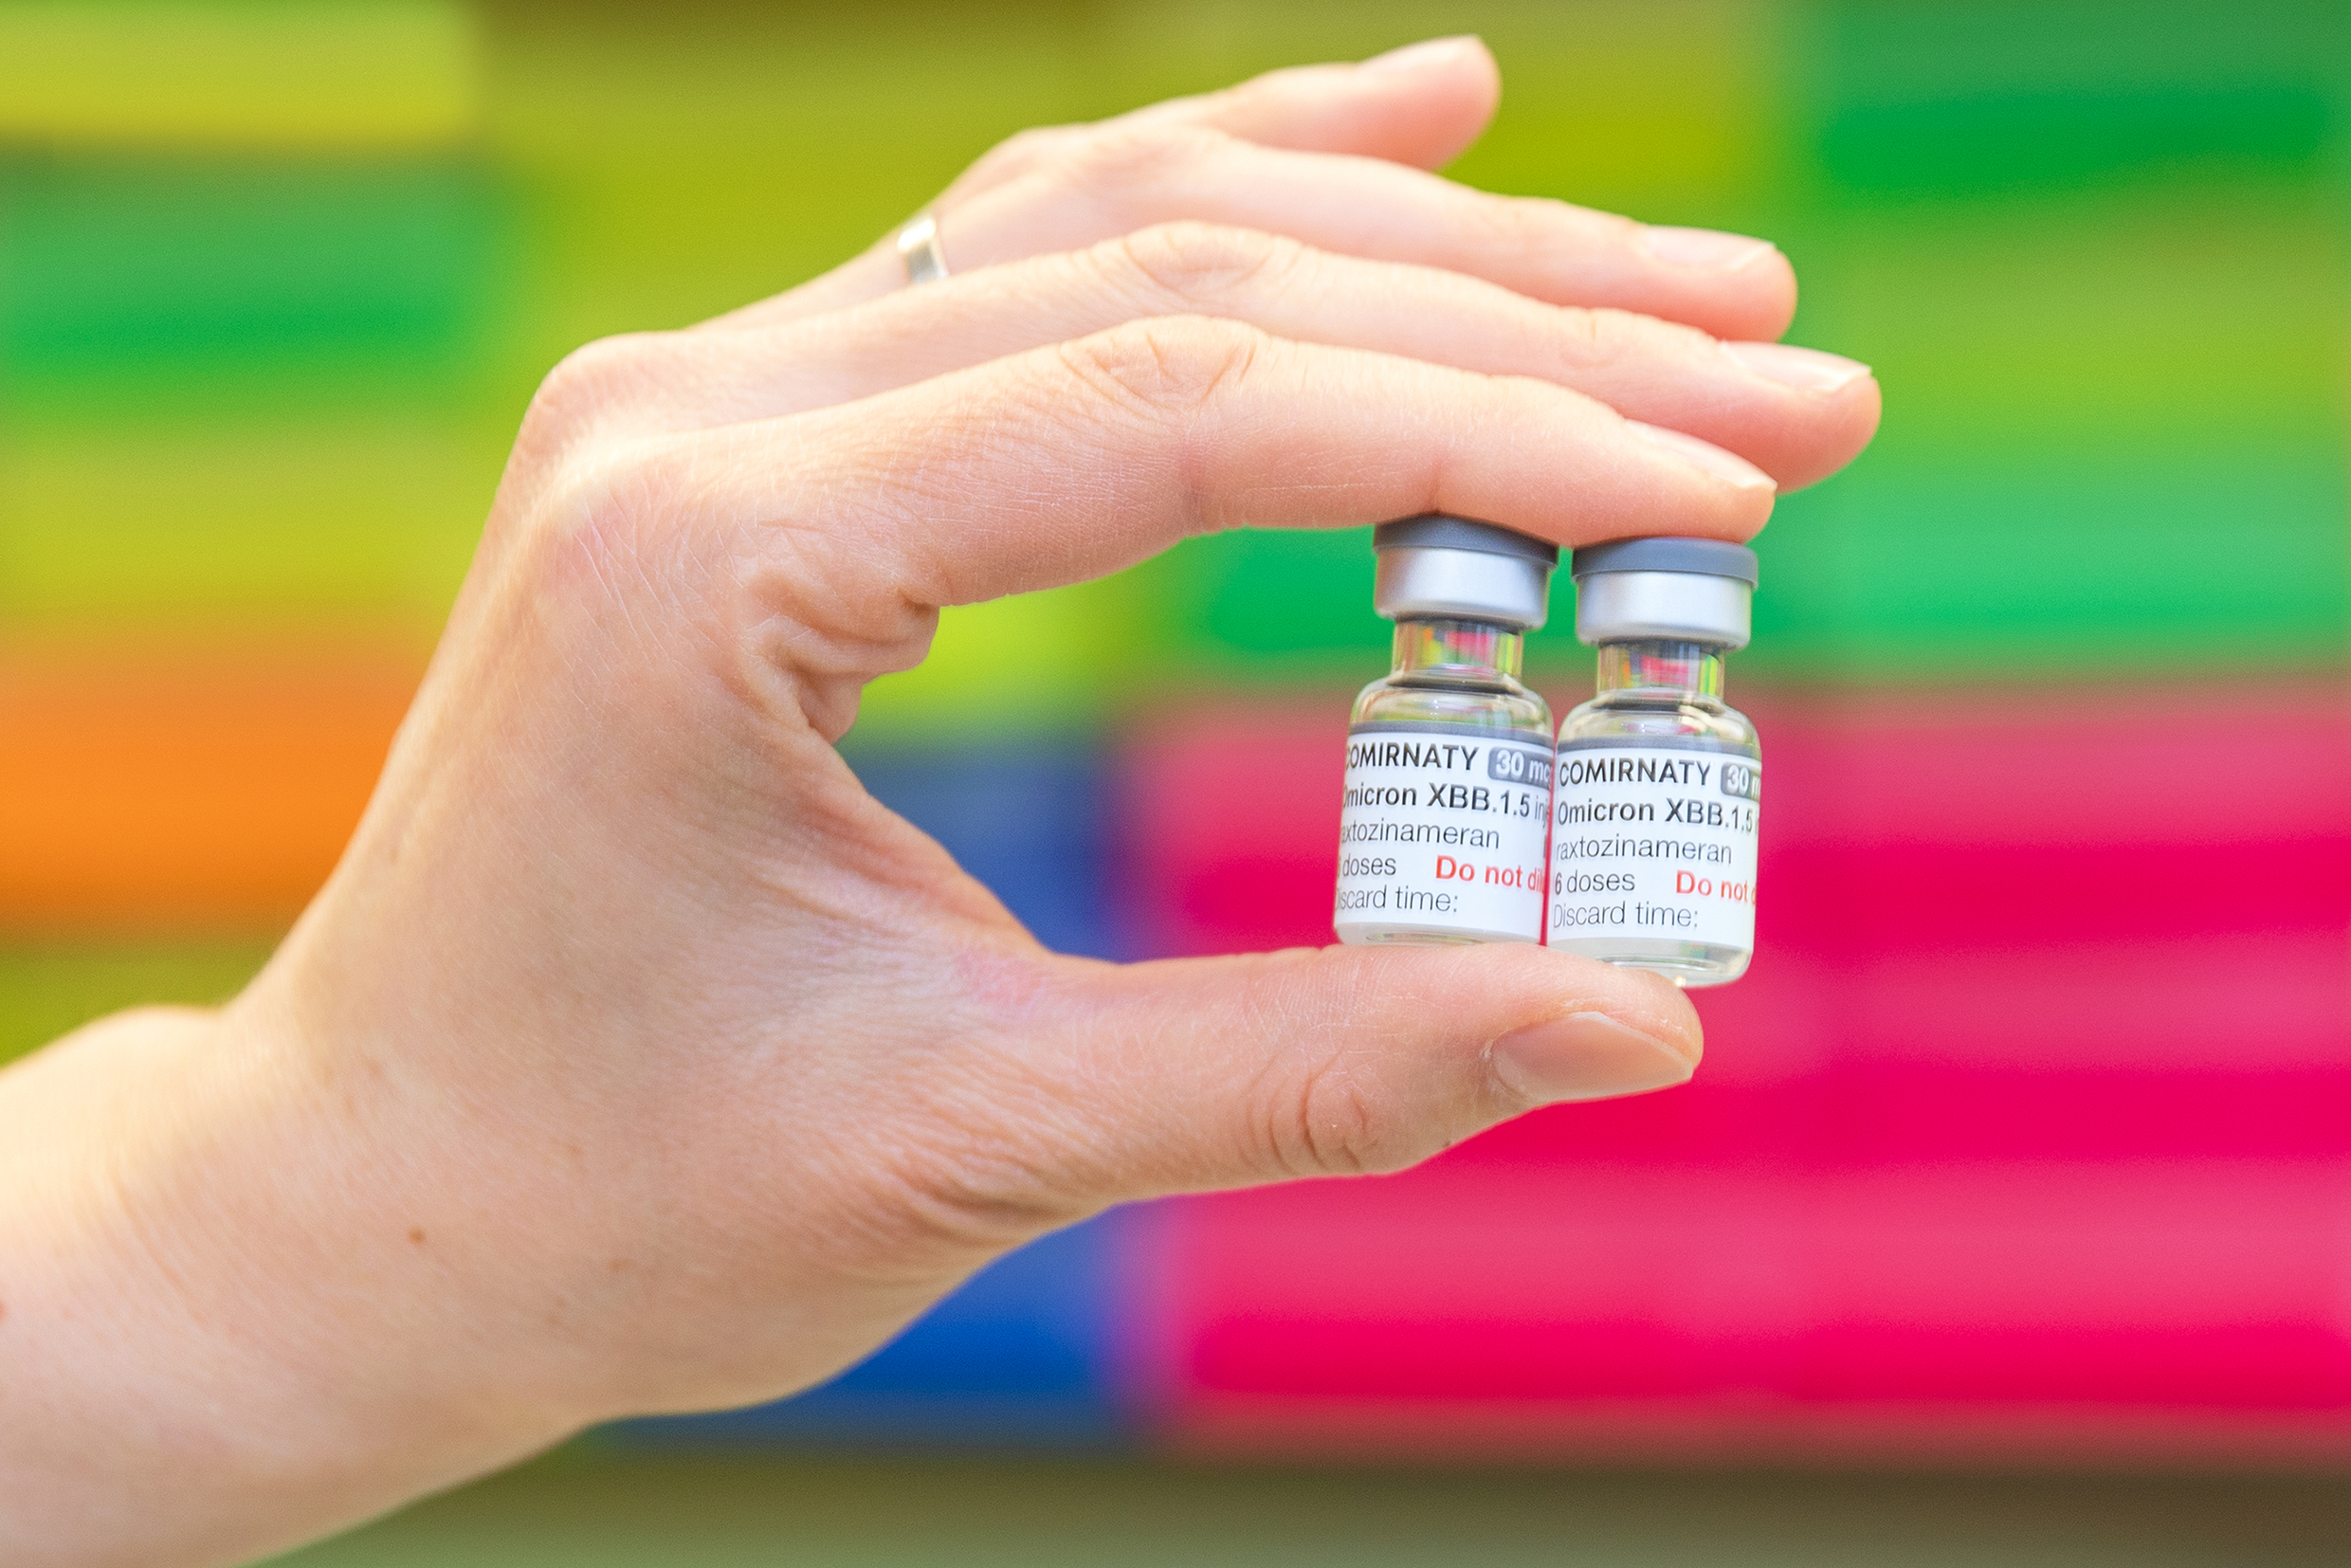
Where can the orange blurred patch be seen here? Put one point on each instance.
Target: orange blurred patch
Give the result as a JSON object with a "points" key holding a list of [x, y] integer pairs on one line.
{"points": [[213, 792]]}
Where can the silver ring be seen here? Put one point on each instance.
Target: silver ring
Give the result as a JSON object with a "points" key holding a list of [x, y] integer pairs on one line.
{"points": [[918, 248]]}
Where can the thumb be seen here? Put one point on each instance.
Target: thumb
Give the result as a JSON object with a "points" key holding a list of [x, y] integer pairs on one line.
{"points": [[1226, 1072]]}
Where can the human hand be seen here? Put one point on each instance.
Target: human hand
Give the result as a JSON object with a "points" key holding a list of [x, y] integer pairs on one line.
{"points": [[634, 1059]]}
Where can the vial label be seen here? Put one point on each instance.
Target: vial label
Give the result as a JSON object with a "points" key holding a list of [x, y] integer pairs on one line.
{"points": [[1655, 840], [1443, 834]]}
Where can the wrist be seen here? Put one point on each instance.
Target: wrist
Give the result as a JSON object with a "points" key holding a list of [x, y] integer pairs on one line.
{"points": [[213, 1317]]}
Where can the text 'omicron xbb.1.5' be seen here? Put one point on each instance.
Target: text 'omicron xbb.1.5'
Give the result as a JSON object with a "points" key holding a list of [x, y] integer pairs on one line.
{"points": [[1659, 783], [1632, 836], [1444, 831]]}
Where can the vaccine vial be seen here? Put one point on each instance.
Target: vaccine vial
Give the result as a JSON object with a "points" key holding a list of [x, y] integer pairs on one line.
{"points": [[1448, 802], [1658, 780]]}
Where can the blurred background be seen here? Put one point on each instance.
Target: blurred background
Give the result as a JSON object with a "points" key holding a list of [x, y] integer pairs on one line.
{"points": [[2011, 1219]]}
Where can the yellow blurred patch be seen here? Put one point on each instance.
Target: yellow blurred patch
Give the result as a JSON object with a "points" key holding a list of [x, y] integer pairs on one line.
{"points": [[1020, 666], [287, 520], [366, 76], [1666, 109]]}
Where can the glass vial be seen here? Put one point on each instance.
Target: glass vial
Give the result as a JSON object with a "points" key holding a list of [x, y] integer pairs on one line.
{"points": [[1443, 833], [1659, 781]]}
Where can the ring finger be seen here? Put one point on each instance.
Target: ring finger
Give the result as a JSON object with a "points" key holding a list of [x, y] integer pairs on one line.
{"points": [[1114, 183]]}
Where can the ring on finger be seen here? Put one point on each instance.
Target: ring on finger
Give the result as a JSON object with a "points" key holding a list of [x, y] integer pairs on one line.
{"points": [[918, 248]]}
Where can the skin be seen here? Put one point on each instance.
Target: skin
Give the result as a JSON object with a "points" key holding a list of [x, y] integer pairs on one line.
{"points": [[634, 1059]]}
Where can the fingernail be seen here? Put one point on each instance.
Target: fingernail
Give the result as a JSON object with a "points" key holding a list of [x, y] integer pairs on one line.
{"points": [[1585, 1056], [1807, 368], [1710, 248], [1418, 56], [1705, 454]]}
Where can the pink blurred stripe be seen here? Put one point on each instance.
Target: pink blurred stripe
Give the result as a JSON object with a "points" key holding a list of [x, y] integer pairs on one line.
{"points": [[2002, 826], [2179, 1284], [2034, 1114]]}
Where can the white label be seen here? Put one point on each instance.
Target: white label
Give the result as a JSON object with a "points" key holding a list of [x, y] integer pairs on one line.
{"points": [[1654, 841], [1443, 831]]}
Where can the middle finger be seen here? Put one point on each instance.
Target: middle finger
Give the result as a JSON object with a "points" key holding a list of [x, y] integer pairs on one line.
{"points": [[1796, 414]]}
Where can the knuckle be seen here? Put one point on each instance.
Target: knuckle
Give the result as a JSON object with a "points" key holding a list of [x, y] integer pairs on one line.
{"points": [[977, 1165], [1200, 260], [1590, 339], [1165, 365], [973, 1202], [1027, 143], [1523, 230], [602, 368], [590, 385], [1117, 164], [1019, 152], [1327, 1120]]}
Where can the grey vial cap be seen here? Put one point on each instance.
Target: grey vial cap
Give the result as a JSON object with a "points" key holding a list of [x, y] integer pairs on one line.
{"points": [[1667, 587], [1435, 565]]}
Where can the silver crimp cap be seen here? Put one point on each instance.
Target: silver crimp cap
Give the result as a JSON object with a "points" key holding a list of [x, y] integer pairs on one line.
{"points": [[1671, 589], [1440, 566]]}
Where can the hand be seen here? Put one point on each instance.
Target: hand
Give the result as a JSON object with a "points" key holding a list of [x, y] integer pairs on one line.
{"points": [[634, 1059]]}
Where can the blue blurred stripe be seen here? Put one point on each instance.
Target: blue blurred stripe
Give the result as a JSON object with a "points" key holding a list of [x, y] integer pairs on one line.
{"points": [[1025, 1352], [1031, 819]]}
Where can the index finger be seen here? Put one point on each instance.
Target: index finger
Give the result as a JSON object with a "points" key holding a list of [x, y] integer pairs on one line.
{"points": [[1075, 460]]}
